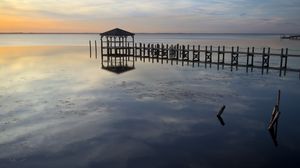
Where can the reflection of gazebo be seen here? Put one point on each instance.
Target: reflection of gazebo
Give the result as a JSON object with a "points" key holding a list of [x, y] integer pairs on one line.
{"points": [[117, 46]]}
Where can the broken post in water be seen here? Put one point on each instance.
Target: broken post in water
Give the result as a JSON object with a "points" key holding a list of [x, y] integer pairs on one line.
{"points": [[221, 111], [276, 112]]}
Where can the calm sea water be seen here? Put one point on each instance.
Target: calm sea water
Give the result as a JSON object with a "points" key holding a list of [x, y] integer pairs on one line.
{"points": [[58, 108]]}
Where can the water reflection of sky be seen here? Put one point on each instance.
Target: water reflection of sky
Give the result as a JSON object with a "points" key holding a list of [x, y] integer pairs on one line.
{"points": [[60, 109]]}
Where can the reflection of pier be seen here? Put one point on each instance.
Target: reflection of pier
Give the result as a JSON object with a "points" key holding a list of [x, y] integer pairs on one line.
{"points": [[117, 50], [220, 56]]}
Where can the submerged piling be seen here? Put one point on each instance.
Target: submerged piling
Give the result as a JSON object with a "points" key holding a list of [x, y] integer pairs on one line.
{"points": [[275, 112]]}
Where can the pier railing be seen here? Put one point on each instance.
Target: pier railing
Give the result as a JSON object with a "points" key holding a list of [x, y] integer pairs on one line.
{"points": [[221, 56]]}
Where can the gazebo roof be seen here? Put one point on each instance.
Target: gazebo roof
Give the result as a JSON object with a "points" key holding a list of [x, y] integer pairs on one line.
{"points": [[117, 32]]}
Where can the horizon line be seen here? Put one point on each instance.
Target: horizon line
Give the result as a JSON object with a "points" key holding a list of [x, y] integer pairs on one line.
{"points": [[140, 33]]}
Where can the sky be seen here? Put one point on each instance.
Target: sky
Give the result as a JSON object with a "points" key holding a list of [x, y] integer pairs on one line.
{"points": [[151, 16]]}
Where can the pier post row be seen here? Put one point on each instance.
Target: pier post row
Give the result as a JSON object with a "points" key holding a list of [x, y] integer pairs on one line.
{"points": [[119, 53]]}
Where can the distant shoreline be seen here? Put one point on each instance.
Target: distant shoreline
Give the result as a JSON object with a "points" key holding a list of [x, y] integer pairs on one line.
{"points": [[26, 33]]}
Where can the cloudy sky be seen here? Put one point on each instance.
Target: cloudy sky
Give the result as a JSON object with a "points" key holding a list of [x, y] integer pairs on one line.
{"points": [[201, 16]]}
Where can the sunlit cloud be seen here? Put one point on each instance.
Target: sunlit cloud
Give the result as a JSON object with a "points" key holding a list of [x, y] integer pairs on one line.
{"points": [[151, 16]]}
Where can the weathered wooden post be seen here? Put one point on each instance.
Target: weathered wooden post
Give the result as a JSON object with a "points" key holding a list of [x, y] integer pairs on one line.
{"points": [[187, 54], [152, 52], [148, 50], [199, 54], [171, 53], [275, 112], [234, 58], [182, 54], [223, 57], [221, 111], [90, 48], [285, 63], [194, 55], [96, 55], [162, 53], [247, 64], [156, 51], [140, 51], [101, 41], [252, 59], [218, 63], [167, 53], [135, 52], [210, 56], [268, 60], [144, 51], [281, 61], [177, 53], [265, 60]]}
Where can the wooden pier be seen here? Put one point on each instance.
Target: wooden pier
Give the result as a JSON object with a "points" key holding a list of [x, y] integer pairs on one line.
{"points": [[221, 56], [118, 45], [290, 37]]}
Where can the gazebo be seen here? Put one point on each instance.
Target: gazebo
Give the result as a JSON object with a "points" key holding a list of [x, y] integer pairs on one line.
{"points": [[117, 46]]}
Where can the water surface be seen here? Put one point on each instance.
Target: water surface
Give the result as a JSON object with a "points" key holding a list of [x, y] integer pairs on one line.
{"points": [[60, 109]]}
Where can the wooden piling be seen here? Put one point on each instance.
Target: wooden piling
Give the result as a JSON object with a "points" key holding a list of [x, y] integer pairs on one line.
{"points": [[194, 55], [156, 52], [90, 43], [199, 54], [278, 99], [187, 54], [177, 53], [223, 57], [208, 56], [247, 63], [265, 60], [151, 50], [221, 111], [182, 53], [275, 119], [167, 53], [162, 50], [218, 61], [96, 53], [234, 58], [285, 62], [275, 112], [268, 59]]}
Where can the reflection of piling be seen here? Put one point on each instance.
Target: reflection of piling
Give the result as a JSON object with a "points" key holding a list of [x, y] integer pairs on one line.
{"points": [[221, 120]]}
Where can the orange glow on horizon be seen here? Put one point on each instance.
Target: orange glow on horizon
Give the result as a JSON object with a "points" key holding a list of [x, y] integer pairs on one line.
{"points": [[22, 24]]}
